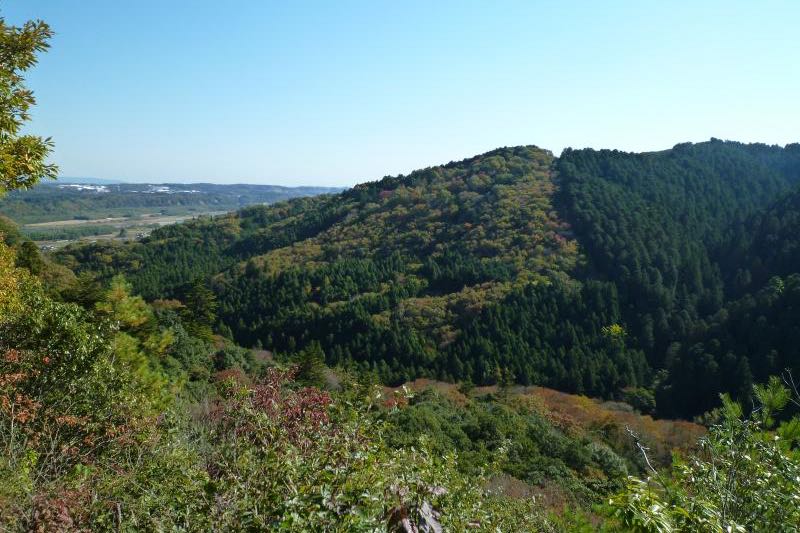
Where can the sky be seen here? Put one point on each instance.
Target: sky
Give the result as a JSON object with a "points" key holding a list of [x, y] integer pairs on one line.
{"points": [[340, 92]]}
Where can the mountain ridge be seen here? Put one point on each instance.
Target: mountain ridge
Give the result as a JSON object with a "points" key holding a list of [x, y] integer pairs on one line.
{"points": [[612, 257]]}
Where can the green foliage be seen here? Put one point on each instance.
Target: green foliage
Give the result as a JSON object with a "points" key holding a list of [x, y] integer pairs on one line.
{"points": [[455, 271], [119, 414], [385, 277], [519, 440], [22, 157], [67, 233], [29, 257], [549, 335], [80, 392], [641, 399], [651, 222], [65, 393], [9, 232], [200, 311], [266, 457], [745, 478], [56, 278], [327, 469], [310, 366], [614, 331], [465, 272], [744, 342], [765, 244], [673, 231]]}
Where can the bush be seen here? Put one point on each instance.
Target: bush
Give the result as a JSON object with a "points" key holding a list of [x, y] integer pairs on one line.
{"points": [[745, 477]]}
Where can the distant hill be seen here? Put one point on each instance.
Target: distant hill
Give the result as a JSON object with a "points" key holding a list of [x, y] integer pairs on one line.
{"points": [[599, 272], [87, 180], [89, 198]]}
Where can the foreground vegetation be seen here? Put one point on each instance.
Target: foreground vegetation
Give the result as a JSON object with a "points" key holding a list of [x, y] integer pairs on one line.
{"points": [[127, 416], [93, 439]]}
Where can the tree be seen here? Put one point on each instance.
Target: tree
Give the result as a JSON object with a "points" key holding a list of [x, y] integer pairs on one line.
{"points": [[311, 366], [641, 399], [201, 311], [130, 311], [9, 232], [30, 258], [22, 157]]}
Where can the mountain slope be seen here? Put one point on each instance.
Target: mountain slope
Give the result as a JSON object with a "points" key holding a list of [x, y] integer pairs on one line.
{"points": [[766, 244], [595, 273], [661, 228], [387, 284], [652, 222], [389, 274]]}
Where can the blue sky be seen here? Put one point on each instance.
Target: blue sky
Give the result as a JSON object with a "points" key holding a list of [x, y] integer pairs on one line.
{"points": [[338, 92]]}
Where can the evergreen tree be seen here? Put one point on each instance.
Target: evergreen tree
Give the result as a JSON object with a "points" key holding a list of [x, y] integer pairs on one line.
{"points": [[310, 363], [200, 313]]}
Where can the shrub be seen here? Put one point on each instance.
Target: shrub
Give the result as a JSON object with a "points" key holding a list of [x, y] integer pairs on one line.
{"points": [[745, 478]]}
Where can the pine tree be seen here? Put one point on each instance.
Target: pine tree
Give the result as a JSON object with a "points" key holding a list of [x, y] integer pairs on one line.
{"points": [[201, 311], [310, 364]]}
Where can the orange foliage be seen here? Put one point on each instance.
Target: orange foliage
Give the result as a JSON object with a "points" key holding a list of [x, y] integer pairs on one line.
{"points": [[579, 413]]}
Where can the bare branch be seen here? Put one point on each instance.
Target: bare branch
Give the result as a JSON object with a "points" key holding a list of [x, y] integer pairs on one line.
{"points": [[788, 380], [644, 449]]}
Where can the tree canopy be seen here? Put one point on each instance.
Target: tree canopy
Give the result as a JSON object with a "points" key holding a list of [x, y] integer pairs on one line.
{"points": [[22, 157]]}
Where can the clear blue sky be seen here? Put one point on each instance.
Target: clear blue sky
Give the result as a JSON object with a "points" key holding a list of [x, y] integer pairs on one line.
{"points": [[338, 92]]}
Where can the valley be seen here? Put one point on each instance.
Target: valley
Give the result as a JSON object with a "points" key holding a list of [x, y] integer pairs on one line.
{"points": [[123, 211]]}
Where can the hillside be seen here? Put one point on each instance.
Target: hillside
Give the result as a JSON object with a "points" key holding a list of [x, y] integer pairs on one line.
{"points": [[385, 275], [600, 273], [653, 223], [594, 273], [155, 417], [764, 245], [513, 342], [660, 227]]}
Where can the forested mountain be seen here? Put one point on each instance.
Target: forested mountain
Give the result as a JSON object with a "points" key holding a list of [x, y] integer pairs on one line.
{"points": [[597, 272], [653, 223], [386, 275], [677, 233], [111, 405]]}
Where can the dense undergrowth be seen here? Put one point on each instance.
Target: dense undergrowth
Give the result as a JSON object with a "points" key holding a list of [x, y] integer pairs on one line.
{"points": [[122, 416], [101, 431]]}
